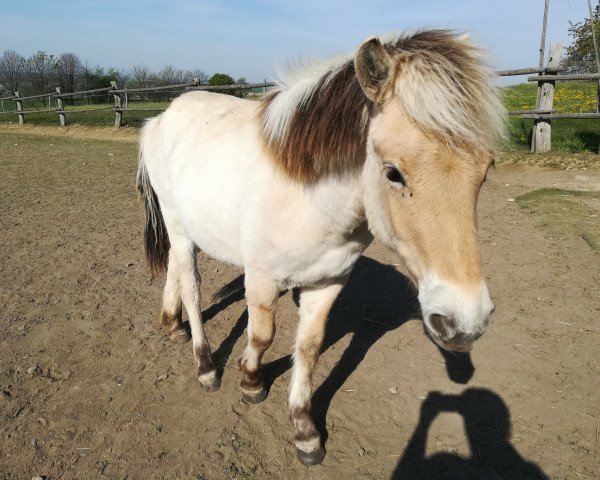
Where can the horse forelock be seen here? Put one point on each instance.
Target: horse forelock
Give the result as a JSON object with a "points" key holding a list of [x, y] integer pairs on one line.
{"points": [[316, 120], [444, 84]]}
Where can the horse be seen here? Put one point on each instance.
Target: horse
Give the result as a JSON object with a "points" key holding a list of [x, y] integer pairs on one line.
{"points": [[393, 142]]}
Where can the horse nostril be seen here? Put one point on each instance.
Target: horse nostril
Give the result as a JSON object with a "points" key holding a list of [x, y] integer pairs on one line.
{"points": [[442, 325]]}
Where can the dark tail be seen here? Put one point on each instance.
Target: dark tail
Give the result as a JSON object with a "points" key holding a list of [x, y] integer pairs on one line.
{"points": [[156, 238], [229, 290]]}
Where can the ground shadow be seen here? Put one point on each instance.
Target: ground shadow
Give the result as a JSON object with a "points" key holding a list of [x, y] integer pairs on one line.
{"points": [[590, 139], [459, 366], [487, 425], [376, 300]]}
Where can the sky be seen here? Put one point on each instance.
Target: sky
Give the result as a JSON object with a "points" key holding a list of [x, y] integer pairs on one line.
{"points": [[253, 38]]}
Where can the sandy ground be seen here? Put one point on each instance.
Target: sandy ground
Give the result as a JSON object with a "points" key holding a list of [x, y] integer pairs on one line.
{"points": [[91, 388]]}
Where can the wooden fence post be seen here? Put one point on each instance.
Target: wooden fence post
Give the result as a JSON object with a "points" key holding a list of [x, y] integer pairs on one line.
{"points": [[60, 108], [541, 141], [19, 109], [118, 107]]}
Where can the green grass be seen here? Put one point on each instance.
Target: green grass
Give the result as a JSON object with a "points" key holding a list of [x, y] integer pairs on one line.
{"points": [[565, 212], [567, 135], [91, 118]]}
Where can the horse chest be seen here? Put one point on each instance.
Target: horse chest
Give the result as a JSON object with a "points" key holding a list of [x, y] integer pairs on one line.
{"points": [[315, 256]]}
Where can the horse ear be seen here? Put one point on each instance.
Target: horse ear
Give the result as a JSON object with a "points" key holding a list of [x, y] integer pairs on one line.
{"points": [[373, 67]]}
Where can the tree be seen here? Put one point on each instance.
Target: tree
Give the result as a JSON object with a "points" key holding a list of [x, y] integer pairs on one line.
{"points": [[41, 68], [580, 56], [221, 79], [170, 75], [69, 71], [97, 77], [140, 76], [13, 71]]}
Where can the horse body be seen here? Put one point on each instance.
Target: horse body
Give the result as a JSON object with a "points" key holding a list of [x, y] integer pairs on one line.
{"points": [[394, 142], [252, 217]]}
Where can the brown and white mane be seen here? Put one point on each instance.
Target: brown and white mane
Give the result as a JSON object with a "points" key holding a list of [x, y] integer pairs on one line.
{"points": [[316, 120]]}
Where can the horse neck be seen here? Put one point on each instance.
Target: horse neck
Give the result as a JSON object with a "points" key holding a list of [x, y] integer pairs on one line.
{"points": [[339, 197]]}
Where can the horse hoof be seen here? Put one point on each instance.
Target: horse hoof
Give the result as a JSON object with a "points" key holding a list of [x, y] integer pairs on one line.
{"points": [[180, 336], [314, 457], [212, 384], [253, 397]]}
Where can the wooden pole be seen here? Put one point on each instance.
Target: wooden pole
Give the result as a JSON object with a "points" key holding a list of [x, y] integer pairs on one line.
{"points": [[118, 110], [61, 109], [540, 65], [19, 108], [593, 26], [543, 42], [542, 134], [542, 48]]}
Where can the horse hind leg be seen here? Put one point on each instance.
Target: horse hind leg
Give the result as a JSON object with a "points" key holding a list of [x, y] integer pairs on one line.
{"points": [[184, 256], [170, 318]]}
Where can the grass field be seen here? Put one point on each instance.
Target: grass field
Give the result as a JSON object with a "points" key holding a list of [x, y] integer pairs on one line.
{"points": [[565, 212], [567, 135], [93, 117]]}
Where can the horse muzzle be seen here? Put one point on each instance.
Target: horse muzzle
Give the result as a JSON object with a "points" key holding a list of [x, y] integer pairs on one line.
{"points": [[454, 317], [444, 333]]}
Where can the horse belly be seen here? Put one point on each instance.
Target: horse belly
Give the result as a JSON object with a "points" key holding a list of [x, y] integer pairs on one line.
{"points": [[209, 211]]}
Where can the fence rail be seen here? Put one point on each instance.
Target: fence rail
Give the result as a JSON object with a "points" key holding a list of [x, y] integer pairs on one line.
{"points": [[569, 77], [118, 94], [544, 112], [519, 71], [81, 93], [542, 115]]}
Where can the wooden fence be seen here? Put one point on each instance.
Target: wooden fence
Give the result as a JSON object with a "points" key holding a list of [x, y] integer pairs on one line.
{"points": [[544, 112], [542, 115], [120, 97]]}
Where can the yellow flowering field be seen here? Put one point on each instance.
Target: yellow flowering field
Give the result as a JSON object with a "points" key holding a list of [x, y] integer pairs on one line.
{"points": [[567, 135], [569, 97]]}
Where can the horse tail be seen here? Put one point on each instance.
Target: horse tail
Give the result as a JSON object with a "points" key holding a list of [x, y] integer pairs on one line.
{"points": [[156, 238], [232, 288]]}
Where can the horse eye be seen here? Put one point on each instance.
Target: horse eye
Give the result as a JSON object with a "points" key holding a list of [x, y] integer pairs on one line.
{"points": [[393, 174]]}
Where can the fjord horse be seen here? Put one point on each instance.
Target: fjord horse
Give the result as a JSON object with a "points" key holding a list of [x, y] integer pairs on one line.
{"points": [[393, 142]]}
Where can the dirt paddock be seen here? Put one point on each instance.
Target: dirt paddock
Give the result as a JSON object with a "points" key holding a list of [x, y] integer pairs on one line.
{"points": [[91, 388]]}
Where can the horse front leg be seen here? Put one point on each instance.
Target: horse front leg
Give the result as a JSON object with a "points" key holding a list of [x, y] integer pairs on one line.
{"points": [[261, 294], [315, 304]]}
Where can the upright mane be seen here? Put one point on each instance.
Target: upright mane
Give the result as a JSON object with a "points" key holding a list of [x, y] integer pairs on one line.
{"points": [[316, 120]]}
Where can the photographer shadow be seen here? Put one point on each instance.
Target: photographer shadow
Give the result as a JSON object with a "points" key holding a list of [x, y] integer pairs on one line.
{"points": [[487, 424]]}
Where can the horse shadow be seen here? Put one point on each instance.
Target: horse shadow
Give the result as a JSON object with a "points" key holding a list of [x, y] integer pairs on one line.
{"points": [[487, 425], [377, 299]]}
